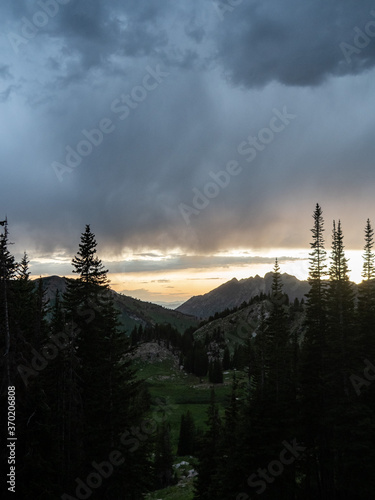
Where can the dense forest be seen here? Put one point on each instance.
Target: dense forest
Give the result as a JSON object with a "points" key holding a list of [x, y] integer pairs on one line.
{"points": [[298, 424], [303, 428]]}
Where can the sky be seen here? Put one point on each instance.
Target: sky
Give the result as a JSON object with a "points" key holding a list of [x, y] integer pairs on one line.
{"points": [[195, 137]]}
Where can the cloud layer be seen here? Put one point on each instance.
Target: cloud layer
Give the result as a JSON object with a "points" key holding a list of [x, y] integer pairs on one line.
{"points": [[217, 76]]}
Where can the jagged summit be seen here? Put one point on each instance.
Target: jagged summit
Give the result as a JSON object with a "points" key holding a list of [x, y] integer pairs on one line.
{"points": [[234, 292]]}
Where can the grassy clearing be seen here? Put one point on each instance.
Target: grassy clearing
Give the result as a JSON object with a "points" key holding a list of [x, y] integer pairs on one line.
{"points": [[183, 391]]}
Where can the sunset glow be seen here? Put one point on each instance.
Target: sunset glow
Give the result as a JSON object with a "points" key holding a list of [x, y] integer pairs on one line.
{"points": [[156, 278]]}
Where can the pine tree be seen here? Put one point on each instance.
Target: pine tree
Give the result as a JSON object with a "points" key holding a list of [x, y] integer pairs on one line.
{"points": [[259, 367], [340, 456], [35, 412], [186, 439], [7, 273], [312, 369], [228, 474], [205, 487], [164, 457], [25, 298], [200, 360], [366, 298], [23, 272], [368, 273], [277, 354], [25, 312], [316, 301], [316, 311], [270, 410], [86, 264], [100, 370], [341, 346], [62, 385]]}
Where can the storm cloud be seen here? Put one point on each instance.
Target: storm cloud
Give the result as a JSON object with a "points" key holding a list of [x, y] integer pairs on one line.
{"points": [[161, 95], [296, 43]]}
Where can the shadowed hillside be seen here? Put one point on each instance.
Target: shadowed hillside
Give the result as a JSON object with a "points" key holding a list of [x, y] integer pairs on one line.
{"points": [[133, 312], [235, 292]]}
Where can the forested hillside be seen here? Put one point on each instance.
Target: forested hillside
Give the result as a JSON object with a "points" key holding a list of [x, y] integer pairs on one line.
{"points": [[132, 312]]}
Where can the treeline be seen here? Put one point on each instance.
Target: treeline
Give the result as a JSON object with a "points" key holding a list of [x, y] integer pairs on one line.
{"points": [[303, 427], [84, 426]]}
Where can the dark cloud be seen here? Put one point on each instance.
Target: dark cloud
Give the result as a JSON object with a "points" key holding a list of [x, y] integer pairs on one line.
{"points": [[129, 188], [295, 43], [87, 35]]}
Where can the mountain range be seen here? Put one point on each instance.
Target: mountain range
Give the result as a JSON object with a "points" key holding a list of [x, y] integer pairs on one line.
{"points": [[133, 312], [234, 292]]}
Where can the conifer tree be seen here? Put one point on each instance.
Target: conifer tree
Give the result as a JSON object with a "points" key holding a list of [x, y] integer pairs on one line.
{"points": [[312, 369], [341, 455], [205, 487], [25, 297], [229, 473], [62, 386], [164, 457], [186, 439], [258, 369], [366, 298], [23, 272], [7, 273], [200, 360], [277, 341], [316, 311], [341, 346], [23, 326], [86, 264], [316, 298], [38, 437], [104, 375], [368, 273]]}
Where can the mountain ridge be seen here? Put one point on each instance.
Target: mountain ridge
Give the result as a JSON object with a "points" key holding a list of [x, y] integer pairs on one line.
{"points": [[133, 312], [234, 292]]}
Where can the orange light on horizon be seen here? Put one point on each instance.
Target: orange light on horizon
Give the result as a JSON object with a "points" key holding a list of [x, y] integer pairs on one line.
{"points": [[178, 285]]}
